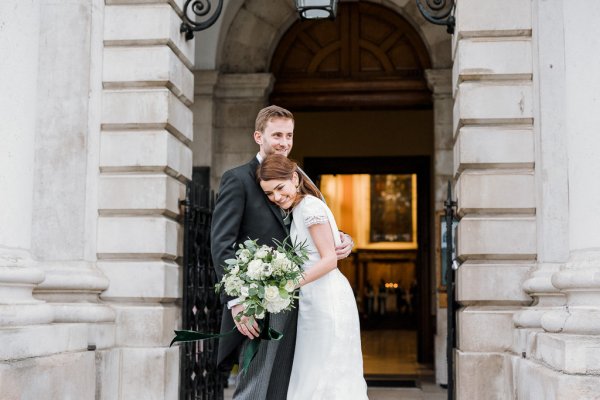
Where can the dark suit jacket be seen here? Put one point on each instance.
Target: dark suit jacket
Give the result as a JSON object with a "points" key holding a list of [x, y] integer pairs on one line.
{"points": [[242, 211]]}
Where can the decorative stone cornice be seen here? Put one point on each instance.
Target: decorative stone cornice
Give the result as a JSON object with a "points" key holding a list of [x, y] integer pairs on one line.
{"points": [[205, 82], [242, 86], [439, 81]]}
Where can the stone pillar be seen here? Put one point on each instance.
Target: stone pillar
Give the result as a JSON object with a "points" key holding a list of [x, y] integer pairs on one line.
{"points": [[552, 197], [440, 83], [494, 166], [239, 97], [66, 168], [204, 115], [572, 344], [145, 161], [30, 346], [19, 71]]}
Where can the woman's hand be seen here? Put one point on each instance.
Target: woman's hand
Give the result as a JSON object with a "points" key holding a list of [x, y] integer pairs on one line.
{"points": [[345, 248]]}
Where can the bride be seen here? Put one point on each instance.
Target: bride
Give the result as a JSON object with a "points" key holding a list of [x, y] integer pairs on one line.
{"points": [[327, 358]]}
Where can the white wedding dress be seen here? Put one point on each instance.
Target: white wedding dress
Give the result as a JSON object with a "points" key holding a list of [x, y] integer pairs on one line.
{"points": [[327, 359]]}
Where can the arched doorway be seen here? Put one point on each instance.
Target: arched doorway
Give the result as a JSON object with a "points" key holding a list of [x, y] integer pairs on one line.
{"points": [[364, 113]]}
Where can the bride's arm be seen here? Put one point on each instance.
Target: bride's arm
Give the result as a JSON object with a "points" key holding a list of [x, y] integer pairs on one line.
{"points": [[323, 240]]}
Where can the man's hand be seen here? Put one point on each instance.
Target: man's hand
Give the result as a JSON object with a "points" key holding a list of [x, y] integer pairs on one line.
{"points": [[343, 250], [244, 326]]}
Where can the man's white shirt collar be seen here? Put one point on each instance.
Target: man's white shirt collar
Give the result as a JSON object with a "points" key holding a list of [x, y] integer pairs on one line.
{"points": [[259, 158]]}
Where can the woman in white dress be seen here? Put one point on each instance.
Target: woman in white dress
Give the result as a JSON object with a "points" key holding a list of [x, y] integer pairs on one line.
{"points": [[327, 359]]}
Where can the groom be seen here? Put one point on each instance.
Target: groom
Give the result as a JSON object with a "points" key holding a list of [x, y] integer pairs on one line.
{"points": [[243, 211]]}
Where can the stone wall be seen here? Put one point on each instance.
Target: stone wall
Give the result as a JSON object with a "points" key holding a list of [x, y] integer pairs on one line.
{"points": [[145, 159], [495, 187], [96, 150]]}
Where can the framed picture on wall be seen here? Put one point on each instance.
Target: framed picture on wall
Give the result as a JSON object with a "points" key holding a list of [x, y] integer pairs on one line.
{"points": [[378, 210]]}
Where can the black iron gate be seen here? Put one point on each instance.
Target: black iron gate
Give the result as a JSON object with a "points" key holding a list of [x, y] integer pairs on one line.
{"points": [[201, 308], [451, 266]]}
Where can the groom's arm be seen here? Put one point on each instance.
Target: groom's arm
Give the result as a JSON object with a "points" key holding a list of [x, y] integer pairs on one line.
{"points": [[226, 221]]}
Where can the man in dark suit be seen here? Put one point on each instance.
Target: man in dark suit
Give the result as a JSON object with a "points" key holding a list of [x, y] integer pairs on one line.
{"points": [[243, 211]]}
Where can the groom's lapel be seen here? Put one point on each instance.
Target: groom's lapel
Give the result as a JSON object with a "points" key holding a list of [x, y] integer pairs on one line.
{"points": [[274, 209]]}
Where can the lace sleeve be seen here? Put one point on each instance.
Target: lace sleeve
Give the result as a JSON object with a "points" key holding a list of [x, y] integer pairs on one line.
{"points": [[314, 212]]}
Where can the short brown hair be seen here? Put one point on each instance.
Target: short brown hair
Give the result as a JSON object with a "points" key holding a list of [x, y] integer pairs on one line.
{"points": [[268, 113]]}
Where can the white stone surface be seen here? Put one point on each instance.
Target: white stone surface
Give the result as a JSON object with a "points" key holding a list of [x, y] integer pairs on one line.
{"points": [[145, 325], [136, 365], [571, 354], [140, 194], [493, 18], [497, 237], [512, 104], [19, 71], [499, 146], [497, 282], [129, 67], [147, 24], [58, 377], [535, 381], [493, 59], [41, 340], [485, 329], [483, 376], [147, 109], [147, 280], [497, 191], [143, 150], [138, 237]]}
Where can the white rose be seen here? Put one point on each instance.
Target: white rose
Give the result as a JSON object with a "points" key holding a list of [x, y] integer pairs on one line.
{"points": [[271, 293], [290, 285], [244, 255], [244, 291], [261, 253], [255, 269], [277, 305], [279, 255]]}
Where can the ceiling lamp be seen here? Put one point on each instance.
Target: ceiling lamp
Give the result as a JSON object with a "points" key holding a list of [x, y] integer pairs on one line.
{"points": [[316, 9]]}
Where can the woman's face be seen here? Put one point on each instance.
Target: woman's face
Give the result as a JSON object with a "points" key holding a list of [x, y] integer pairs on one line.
{"points": [[281, 191]]}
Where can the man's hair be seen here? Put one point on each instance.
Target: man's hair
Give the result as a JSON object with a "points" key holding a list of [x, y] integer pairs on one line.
{"points": [[268, 113]]}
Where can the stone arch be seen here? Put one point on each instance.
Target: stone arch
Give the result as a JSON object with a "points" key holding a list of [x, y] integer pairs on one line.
{"points": [[255, 31]]}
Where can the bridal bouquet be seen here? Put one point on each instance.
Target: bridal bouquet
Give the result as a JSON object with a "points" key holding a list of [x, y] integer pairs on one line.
{"points": [[262, 278]]}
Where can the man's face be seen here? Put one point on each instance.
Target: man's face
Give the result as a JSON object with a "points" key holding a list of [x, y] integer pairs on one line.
{"points": [[277, 138]]}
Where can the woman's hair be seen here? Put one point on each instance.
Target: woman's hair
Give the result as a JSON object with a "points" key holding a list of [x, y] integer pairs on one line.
{"points": [[277, 166]]}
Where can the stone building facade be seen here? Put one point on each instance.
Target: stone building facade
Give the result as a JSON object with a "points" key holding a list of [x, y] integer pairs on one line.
{"points": [[105, 108]]}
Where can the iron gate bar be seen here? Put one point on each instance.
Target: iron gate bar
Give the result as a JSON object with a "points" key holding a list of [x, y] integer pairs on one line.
{"points": [[450, 285], [201, 309]]}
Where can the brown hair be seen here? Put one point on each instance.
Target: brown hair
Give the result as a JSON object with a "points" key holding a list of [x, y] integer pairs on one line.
{"points": [[277, 166], [268, 113]]}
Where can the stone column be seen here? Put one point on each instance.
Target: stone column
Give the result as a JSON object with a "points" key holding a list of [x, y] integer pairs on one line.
{"points": [[145, 161], [204, 117], [495, 189], [18, 273], [552, 197], [440, 83], [66, 168], [572, 348], [239, 97]]}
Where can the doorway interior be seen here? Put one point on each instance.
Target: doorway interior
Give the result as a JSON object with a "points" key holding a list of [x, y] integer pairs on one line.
{"points": [[364, 126]]}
